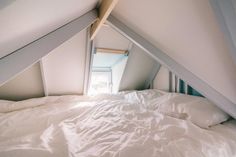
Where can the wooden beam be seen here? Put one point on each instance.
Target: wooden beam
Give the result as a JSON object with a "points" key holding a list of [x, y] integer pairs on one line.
{"points": [[226, 17], [104, 11], [26, 56], [220, 100], [107, 50]]}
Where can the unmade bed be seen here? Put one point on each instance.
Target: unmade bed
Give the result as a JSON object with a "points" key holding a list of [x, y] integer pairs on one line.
{"points": [[146, 123]]}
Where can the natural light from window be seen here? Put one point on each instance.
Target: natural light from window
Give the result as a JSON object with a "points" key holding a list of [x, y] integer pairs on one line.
{"points": [[100, 83]]}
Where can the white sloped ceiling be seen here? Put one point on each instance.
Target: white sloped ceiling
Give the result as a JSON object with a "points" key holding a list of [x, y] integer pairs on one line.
{"points": [[23, 21], [188, 32]]}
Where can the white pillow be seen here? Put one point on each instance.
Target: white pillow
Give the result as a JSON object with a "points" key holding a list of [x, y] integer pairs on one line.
{"points": [[4, 104], [10, 106], [198, 110], [142, 96]]}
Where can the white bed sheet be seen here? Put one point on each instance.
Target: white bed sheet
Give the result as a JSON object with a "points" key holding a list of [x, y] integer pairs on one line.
{"points": [[112, 126]]}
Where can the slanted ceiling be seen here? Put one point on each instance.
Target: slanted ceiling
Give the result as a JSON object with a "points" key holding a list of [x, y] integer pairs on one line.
{"points": [[24, 21], [188, 32]]}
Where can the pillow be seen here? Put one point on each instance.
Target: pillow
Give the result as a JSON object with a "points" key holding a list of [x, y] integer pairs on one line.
{"points": [[198, 110], [10, 106], [143, 96], [4, 104]]}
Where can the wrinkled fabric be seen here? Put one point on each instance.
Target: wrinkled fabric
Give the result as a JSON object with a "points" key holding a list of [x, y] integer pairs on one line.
{"points": [[199, 110], [107, 127]]}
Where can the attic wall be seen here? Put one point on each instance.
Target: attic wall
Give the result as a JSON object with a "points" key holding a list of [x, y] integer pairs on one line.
{"points": [[117, 73], [64, 67], [138, 69], [110, 38], [26, 85], [161, 80], [63, 71], [188, 32]]}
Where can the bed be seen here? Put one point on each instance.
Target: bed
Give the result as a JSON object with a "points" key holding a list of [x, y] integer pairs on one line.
{"points": [[128, 124]]}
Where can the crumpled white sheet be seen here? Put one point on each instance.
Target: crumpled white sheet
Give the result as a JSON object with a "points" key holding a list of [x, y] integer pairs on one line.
{"points": [[108, 127]]}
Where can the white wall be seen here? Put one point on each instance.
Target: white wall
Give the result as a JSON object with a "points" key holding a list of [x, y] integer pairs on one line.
{"points": [[117, 72], [64, 66], [63, 73], [26, 85], [161, 80], [138, 69], [188, 32], [107, 37]]}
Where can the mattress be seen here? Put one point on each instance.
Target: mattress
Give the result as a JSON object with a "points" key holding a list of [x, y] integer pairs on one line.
{"points": [[107, 126]]}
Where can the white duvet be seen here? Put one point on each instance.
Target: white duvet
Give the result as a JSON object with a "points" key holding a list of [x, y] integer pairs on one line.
{"points": [[73, 126]]}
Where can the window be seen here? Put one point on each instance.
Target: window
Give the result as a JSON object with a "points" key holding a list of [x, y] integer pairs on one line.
{"points": [[100, 82]]}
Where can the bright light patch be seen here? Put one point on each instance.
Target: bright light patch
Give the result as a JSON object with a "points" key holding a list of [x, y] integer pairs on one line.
{"points": [[100, 83]]}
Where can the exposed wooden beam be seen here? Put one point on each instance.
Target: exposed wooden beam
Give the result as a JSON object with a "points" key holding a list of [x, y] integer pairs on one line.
{"points": [[104, 11], [220, 100], [26, 56], [107, 50], [226, 17]]}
